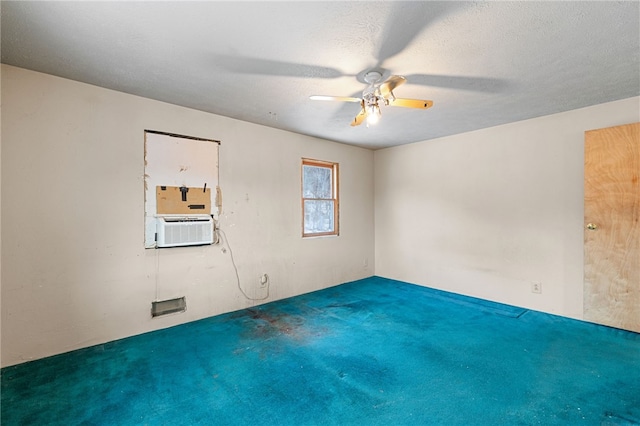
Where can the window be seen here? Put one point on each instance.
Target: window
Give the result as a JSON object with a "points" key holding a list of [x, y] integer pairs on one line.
{"points": [[319, 198]]}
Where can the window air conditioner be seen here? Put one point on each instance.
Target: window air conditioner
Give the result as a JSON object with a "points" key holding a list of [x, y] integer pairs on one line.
{"points": [[184, 231]]}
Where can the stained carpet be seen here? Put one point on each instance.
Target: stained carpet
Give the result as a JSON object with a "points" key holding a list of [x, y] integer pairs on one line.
{"points": [[369, 352]]}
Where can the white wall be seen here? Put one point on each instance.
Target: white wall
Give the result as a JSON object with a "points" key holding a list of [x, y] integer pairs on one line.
{"points": [[74, 268], [486, 213], [482, 213]]}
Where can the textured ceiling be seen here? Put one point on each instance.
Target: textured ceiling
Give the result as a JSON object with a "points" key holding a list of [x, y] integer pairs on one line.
{"points": [[483, 64]]}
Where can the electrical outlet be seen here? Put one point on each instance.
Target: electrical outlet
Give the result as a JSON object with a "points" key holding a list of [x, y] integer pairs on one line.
{"points": [[536, 287]]}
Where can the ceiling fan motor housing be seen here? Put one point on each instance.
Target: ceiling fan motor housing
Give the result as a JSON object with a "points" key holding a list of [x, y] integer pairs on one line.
{"points": [[372, 77]]}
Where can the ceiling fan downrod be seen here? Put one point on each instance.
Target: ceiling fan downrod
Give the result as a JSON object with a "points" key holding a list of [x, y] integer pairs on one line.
{"points": [[371, 97]]}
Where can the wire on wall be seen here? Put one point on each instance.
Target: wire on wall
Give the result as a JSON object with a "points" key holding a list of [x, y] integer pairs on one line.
{"points": [[235, 268], [157, 271]]}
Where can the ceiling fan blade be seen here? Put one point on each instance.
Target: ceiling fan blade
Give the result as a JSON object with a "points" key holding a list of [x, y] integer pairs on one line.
{"points": [[334, 98], [411, 103], [406, 21], [362, 115], [248, 65], [458, 82], [391, 83]]}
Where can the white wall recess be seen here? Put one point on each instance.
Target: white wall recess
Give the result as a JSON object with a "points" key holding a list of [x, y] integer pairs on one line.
{"points": [[185, 167]]}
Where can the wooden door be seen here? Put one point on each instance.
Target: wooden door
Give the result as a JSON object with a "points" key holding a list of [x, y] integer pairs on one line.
{"points": [[612, 228]]}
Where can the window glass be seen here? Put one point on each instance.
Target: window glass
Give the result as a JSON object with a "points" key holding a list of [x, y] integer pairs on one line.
{"points": [[317, 182], [318, 216]]}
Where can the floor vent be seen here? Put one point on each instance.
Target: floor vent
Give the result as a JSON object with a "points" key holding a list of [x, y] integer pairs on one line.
{"points": [[171, 306]]}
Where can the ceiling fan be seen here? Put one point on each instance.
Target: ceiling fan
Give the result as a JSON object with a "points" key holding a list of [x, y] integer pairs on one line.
{"points": [[376, 94]]}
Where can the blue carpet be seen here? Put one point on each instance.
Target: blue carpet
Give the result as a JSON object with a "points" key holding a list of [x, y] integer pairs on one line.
{"points": [[370, 352]]}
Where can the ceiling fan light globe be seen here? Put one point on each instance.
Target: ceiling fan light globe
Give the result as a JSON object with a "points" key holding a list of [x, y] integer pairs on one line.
{"points": [[373, 114]]}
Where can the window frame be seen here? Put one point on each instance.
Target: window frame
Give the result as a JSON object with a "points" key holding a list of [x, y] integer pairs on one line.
{"points": [[334, 193]]}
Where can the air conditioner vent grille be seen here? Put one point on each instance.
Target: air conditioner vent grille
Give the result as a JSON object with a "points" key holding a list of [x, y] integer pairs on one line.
{"points": [[176, 233]]}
